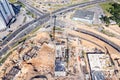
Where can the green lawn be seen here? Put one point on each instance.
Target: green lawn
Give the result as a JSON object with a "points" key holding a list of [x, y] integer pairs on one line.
{"points": [[105, 7], [12, 1], [3, 59], [114, 9], [118, 0]]}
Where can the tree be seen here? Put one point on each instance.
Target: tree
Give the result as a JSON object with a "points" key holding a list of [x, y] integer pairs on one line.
{"points": [[105, 19]]}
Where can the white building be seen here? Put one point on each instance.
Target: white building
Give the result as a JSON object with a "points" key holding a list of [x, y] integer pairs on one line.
{"points": [[6, 14]]}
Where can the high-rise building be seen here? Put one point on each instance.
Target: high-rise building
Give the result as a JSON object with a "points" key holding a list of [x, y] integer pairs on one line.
{"points": [[6, 14]]}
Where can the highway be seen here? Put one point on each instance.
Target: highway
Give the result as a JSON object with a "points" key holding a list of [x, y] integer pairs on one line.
{"points": [[31, 9], [72, 7], [27, 28], [112, 44]]}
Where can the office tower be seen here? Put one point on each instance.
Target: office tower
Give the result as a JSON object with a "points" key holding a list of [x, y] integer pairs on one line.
{"points": [[6, 14]]}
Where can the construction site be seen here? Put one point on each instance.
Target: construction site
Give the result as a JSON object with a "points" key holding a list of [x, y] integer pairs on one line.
{"points": [[62, 55], [64, 49]]}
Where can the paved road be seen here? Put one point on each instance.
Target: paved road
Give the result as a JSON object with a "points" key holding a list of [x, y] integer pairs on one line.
{"points": [[72, 7], [112, 44], [31, 8], [25, 29]]}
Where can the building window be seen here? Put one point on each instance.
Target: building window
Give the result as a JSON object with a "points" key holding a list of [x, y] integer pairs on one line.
{"points": [[3, 8]]}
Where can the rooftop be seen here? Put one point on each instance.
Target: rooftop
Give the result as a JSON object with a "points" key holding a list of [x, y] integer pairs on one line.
{"points": [[84, 14], [59, 65]]}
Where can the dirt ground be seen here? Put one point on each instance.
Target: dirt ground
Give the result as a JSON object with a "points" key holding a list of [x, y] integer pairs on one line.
{"points": [[113, 39], [43, 63], [95, 40]]}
